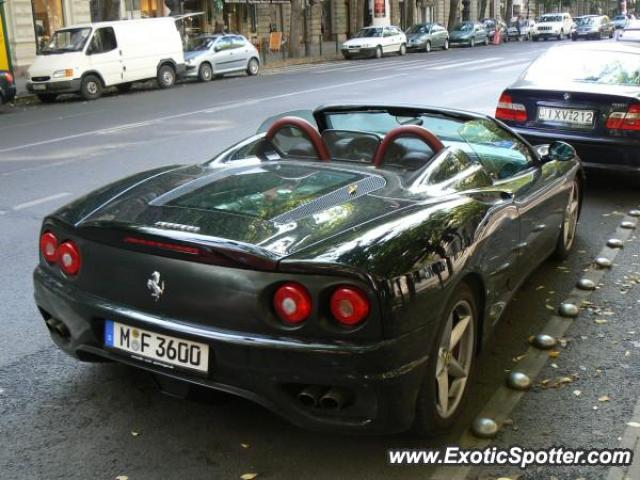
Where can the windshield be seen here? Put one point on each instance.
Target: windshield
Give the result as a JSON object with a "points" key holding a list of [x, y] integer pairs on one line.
{"points": [[550, 18], [70, 40], [620, 17], [582, 21], [418, 29], [368, 33], [202, 43], [585, 66], [464, 27]]}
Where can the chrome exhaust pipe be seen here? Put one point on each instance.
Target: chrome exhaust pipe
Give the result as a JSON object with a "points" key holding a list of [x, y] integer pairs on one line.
{"points": [[58, 327], [310, 396], [335, 399]]}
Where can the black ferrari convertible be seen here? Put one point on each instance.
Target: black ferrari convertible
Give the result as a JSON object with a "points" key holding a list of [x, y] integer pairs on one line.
{"points": [[342, 267]]}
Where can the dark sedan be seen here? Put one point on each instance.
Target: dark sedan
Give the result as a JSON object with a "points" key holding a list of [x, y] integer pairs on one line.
{"points": [[342, 270], [7, 87], [587, 96], [594, 27], [468, 34]]}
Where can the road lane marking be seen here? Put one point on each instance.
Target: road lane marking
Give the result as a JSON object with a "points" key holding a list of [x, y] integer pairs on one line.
{"points": [[502, 65], [510, 68], [213, 109], [470, 62], [38, 201], [504, 400]]}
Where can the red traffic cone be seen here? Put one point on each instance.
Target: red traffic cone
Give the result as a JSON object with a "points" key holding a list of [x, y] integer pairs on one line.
{"points": [[496, 38]]}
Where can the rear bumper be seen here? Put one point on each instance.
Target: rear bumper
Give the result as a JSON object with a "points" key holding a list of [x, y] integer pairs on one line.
{"points": [[65, 86], [613, 154], [382, 378]]}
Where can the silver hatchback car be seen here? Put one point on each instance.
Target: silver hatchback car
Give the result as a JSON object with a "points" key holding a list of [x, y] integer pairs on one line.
{"points": [[213, 55]]}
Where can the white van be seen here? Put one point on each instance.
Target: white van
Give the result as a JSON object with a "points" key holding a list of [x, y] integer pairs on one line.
{"points": [[553, 25], [87, 58]]}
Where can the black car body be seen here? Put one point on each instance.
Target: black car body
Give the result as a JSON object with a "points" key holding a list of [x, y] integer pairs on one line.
{"points": [[594, 27], [202, 253], [595, 93], [7, 87]]}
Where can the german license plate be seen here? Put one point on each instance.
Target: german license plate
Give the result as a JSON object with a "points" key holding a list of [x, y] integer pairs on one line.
{"points": [[566, 115], [355, 50], [39, 86], [156, 348]]}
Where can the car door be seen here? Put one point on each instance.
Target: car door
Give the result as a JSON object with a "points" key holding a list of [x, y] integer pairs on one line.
{"points": [[437, 38], [240, 52], [223, 57], [105, 57], [537, 189]]}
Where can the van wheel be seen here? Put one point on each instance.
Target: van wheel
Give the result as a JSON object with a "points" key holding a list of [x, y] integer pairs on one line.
{"points": [[47, 97], [166, 76], [124, 87], [91, 87], [253, 67], [205, 72]]}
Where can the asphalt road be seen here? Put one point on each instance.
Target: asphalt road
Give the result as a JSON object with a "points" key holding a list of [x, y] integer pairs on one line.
{"points": [[64, 419]]}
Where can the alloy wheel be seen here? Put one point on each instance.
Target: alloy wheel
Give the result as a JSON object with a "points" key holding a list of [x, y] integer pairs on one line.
{"points": [[455, 358], [427, 47], [571, 218]]}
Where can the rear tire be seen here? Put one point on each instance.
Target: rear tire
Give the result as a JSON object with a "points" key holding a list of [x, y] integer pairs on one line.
{"points": [[166, 76], [253, 67], [378, 52], [486, 41], [205, 72], [472, 43], [450, 367], [47, 97], [446, 44], [567, 237], [402, 50], [91, 87], [427, 47]]}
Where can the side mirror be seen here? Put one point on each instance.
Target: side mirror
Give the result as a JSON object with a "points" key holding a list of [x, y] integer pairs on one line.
{"points": [[560, 151], [217, 48]]}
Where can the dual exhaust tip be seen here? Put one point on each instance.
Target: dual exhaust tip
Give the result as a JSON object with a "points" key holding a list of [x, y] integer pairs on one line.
{"points": [[326, 398]]}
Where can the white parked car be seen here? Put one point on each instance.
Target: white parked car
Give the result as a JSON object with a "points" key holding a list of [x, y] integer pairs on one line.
{"points": [[375, 42], [553, 25], [620, 21], [631, 32], [87, 58], [219, 54]]}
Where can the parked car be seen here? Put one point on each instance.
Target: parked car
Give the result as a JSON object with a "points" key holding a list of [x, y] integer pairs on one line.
{"points": [[213, 55], [7, 87], [425, 36], [593, 26], [520, 29], [375, 42], [620, 21], [342, 269], [493, 25], [468, 34], [631, 32], [591, 101], [553, 25], [86, 59]]}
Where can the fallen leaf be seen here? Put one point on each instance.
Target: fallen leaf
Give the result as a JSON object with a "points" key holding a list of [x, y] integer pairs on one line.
{"points": [[519, 357], [550, 307], [601, 321], [554, 365], [577, 393], [554, 354], [134, 434], [604, 398], [122, 477], [633, 424], [248, 476], [244, 445]]}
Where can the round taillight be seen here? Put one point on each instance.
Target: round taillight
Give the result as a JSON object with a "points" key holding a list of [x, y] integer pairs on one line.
{"points": [[349, 306], [292, 303], [49, 247], [69, 258]]}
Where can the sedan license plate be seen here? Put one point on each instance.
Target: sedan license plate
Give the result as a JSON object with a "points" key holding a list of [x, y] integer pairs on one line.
{"points": [[156, 348], [39, 87], [355, 50], [566, 115]]}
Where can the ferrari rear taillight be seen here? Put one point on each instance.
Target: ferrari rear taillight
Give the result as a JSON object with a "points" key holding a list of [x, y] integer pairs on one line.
{"points": [[68, 256], [507, 110], [629, 120], [49, 247], [292, 303], [349, 306]]}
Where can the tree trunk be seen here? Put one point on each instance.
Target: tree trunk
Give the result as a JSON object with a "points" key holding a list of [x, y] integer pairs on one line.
{"points": [[507, 10], [294, 28], [482, 9], [453, 13]]}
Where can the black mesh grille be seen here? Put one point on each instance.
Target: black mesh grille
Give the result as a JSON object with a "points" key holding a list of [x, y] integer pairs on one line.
{"points": [[337, 197], [40, 79]]}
